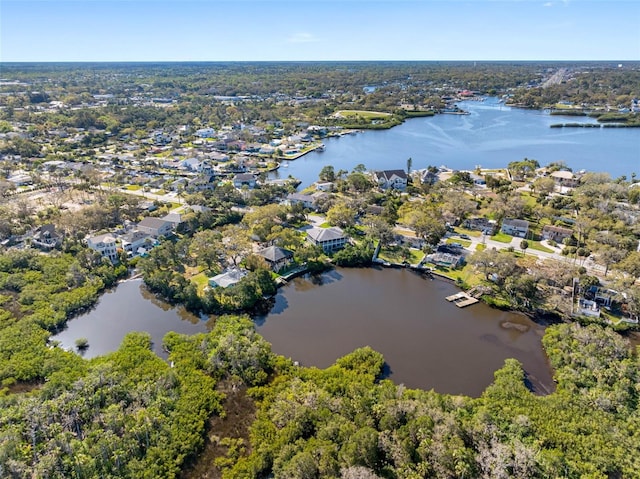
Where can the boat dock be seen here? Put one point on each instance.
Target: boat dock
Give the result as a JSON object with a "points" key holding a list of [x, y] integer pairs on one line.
{"points": [[462, 299]]}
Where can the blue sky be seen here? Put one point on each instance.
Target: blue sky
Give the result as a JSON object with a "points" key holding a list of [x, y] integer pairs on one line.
{"points": [[267, 30]]}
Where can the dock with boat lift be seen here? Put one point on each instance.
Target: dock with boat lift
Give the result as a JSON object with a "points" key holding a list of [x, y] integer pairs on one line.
{"points": [[462, 299]]}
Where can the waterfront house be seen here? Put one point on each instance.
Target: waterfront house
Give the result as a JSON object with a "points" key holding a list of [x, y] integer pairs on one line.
{"points": [[227, 278], [446, 255], [556, 233], [137, 242], [515, 227], [330, 239], [276, 257], [105, 244], [386, 179], [155, 226]]}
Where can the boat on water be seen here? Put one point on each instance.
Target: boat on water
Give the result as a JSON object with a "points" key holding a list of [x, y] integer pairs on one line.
{"points": [[320, 147], [284, 164]]}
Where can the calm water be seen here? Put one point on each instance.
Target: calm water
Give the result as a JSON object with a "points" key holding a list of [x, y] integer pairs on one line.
{"points": [[128, 307], [426, 341], [491, 136]]}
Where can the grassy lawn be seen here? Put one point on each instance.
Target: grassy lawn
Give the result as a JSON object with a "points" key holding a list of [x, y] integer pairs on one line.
{"points": [[394, 255], [464, 243], [481, 247], [201, 280], [463, 231], [502, 238], [536, 245], [325, 225], [467, 275], [367, 115], [529, 199], [134, 187]]}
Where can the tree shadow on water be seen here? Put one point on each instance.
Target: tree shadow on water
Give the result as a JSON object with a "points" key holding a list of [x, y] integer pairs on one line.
{"points": [[386, 371]]}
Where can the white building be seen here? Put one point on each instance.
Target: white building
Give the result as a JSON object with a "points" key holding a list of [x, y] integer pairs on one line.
{"points": [[330, 239], [104, 244]]}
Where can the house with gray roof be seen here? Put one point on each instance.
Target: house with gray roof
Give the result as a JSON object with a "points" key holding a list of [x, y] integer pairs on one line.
{"points": [[330, 239], [515, 227], [46, 237], [386, 179], [137, 242], [276, 257], [156, 226], [244, 179]]}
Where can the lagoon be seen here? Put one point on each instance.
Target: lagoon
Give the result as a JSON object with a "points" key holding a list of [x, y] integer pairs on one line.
{"points": [[491, 136], [426, 341]]}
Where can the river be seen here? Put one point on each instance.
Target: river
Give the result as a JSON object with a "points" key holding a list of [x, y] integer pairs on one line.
{"points": [[426, 341], [492, 135]]}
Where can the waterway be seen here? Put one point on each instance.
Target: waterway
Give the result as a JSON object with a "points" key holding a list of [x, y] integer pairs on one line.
{"points": [[128, 307], [426, 341], [492, 135]]}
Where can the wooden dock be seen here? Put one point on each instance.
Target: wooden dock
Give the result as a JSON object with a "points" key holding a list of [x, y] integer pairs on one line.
{"points": [[462, 299]]}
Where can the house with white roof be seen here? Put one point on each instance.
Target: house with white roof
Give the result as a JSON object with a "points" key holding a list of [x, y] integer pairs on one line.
{"points": [[227, 278], [105, 244]]}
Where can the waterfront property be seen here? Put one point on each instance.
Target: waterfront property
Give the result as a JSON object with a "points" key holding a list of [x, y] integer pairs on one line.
{"points": [[227, 278], [276, 257], [105, 244], [330, 239], [396, 179]]}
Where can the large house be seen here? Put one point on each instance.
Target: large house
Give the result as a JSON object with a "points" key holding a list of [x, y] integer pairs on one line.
{"points": [[330, 239], [515, 227], [556, 233], [46, 237], [155, 226], [137, 242], [276, 257], [244, 179], [104, 244], [566, 179], [386, 179], [308, 201]]}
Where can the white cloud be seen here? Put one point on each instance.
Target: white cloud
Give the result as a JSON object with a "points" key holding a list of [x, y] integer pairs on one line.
{"points": [[548, 4], [302, 37]]}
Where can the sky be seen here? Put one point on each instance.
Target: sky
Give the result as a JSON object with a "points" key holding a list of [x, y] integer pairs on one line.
{"points": [[318, 30]]}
